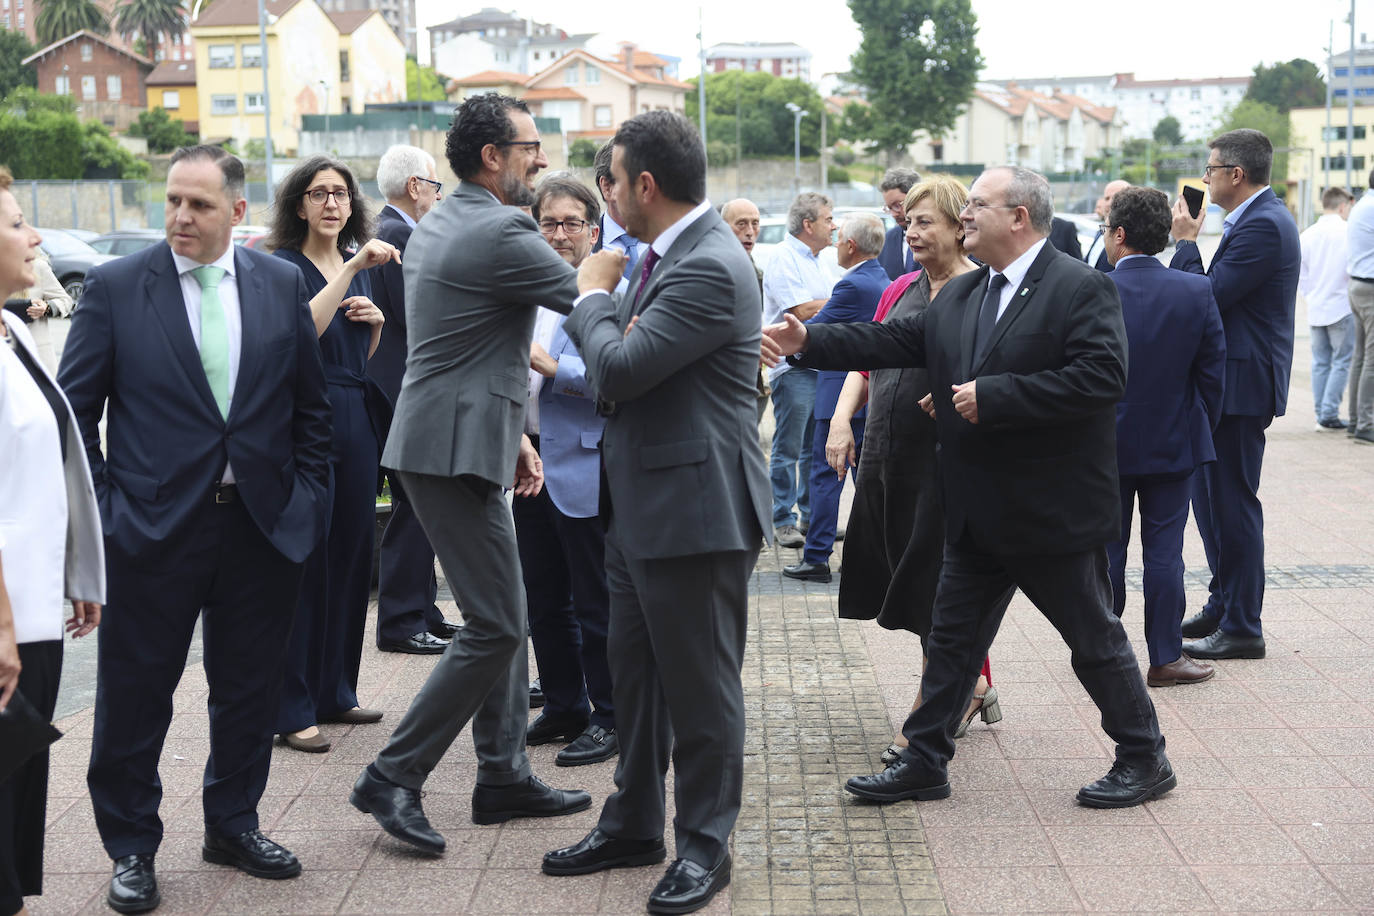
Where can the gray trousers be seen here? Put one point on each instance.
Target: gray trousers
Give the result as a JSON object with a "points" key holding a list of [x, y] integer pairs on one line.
{"points": [[1362, 360], [676, 647], [483, 675]]}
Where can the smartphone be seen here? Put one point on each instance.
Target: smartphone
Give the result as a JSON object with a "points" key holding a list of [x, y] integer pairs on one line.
{"points": [[1194, 198]]}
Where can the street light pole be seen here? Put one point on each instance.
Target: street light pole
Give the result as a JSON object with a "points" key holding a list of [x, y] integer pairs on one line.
{"points": [[797, 114], [266, 97]]}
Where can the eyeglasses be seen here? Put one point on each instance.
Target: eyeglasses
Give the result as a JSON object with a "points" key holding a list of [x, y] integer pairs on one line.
{"points": [[896, 209], [531, 144], [438, 185], [570, 226], [978, 206], [1207, 169], [318, 196]]}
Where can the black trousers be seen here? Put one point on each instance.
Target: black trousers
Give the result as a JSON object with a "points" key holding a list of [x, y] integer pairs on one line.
{"points": [[406, 583], [1073, 592], [24, 795], [224, 569]]}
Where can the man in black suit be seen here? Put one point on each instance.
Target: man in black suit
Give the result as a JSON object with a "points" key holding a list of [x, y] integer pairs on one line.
{"points": [[896, 257], [407, 618], [1096, 255], [1027, 359], [1064, 236], [212, 487]]}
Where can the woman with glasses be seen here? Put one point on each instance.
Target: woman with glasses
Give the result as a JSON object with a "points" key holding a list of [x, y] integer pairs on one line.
{"points": [[320, 224]]}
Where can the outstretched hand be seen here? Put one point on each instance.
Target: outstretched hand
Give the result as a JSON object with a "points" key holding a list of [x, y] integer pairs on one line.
{"points": [[374, 253], [785, 338]]}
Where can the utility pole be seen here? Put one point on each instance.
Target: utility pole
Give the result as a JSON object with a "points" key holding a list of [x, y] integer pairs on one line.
{"points": [[267, 97], [701, 80], [1350, 106], [1330, 59]]}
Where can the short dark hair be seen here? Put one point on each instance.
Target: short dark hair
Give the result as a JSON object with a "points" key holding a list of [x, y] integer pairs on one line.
{"points": [[899, 179], [601, 163], [480, 120], [563, 184], [1333, 198], [288, 230], [1247, 148], [1145, 215], [667, 146], [230, 166]]}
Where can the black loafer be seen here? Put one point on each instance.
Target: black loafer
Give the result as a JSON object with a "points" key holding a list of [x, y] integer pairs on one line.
{"points": [[397, 809], [1224, 645], [1201, 624], [899, 782], [133, 886], [446, 630], [1128, 784], [598, 851], [251, 852], [687, 887], [531, 798], [536, 694], [592, 746], [422, 643], [807, 572], [546, 728]]}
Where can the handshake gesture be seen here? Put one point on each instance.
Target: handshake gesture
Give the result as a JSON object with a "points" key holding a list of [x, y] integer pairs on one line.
{"points": [[782, 339]]}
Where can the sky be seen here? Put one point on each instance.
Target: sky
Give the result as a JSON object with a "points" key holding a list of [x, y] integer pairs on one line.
{"points": [[1155, 39]]}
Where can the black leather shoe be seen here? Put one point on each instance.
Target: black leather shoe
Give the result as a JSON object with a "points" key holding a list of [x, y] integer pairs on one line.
{"points": [[546, 728], [133, 886], [1128, 784], [1201, 624], [251, 852], [536, 694], [1224, 645], [807, 572], [421, 643], [531, 798], [899, 782], [687, 887], [597, 851], [397, 809], [446, 630], [592, 746]]}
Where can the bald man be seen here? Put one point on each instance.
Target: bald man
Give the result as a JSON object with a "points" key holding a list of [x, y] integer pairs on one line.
{"points": [[1097, 251], [742, 216]]}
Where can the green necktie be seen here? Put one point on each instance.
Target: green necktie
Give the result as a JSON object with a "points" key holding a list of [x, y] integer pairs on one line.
{"points": [[214, 335]]}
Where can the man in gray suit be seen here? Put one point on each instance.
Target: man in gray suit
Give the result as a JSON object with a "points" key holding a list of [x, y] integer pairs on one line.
{"points": [[675, 359], [475, 270]]}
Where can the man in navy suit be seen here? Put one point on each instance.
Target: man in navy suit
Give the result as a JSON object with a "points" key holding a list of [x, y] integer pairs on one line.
{"points": [[1254, 277], [407, 618], [1164, 421], [855, 298], [896, 258], [212, 494], [560, 534]]}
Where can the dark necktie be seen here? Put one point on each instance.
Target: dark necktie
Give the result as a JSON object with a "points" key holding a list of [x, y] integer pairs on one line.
{"points": [[650, 260], [909, 262], [987, 316]]}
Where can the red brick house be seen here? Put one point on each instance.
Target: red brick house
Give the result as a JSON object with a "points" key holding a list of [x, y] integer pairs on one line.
{"points": [[105, 81]]}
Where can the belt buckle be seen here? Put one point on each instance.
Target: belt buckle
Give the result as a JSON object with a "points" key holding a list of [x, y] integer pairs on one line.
{"points": [[224, 495]]}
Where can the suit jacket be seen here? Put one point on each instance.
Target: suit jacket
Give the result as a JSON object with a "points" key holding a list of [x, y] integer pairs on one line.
{"points": [[1037, 473], [1102, 263], [1064, 236], [474, 271], [131, 346], [1254, 278], [570, 432], [854, 298], [1173, 395], [388, 365], [683, 443], [894, 256]]}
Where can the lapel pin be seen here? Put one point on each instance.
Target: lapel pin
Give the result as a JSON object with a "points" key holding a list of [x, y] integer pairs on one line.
{"points": [[1025, 291]]}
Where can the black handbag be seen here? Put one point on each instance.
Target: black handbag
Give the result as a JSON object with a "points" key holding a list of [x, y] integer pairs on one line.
{"points": [[23, 733], [20, 307]]}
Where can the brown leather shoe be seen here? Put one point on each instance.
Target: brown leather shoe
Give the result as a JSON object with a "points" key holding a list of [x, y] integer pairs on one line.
{"points": [[316, 744], [1182, 670]]}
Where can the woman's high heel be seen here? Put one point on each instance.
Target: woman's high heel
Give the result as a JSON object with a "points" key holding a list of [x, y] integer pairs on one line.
{"points": [[988, 708]]}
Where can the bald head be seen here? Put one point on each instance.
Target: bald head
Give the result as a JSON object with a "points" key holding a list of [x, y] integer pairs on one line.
{"points": [[1104, 203], [742, 217]]}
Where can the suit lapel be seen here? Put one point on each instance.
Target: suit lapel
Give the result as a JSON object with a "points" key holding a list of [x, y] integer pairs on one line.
{"points": [[1265, 196], [1019, 299], [163, 289], [682, 245], [251, 297], [969, 329]]}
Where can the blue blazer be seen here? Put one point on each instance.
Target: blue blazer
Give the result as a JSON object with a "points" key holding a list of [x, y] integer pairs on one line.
{"points": [[895, 257], [388, 365], [131, 347], [854, 298], [1254, 278], [570, 432], [1177, 367]]}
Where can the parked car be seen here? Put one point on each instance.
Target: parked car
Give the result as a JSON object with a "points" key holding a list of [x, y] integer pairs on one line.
{"points": [[84, 234], [243, 232], [70, 258], [127, 241]]}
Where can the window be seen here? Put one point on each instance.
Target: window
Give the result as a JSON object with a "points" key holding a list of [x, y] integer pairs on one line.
{"points": [[347, 104], [87, 52], [249, 56], [252, 102], [1195, 94], [344, 74], [63, 85], [221, 57], [1338, 133], [1338, 162], [570, 74], [171, 100], [88, 88], [113, 86], [591, 74], [224, 104], [601, 116]]}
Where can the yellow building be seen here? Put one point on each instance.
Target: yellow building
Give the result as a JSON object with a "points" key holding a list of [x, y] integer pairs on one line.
{"points": [[1307, 139], [172, 87], [372, 60]]}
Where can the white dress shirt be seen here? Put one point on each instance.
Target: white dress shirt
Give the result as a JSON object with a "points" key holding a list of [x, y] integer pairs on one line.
{"points": [[545, 324], [794, 275], [1360, 241], [1016, 272], [1323, 280], [233, 317]]}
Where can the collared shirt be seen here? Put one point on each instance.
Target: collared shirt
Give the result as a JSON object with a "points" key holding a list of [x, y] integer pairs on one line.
{"points": [[665, 241], [1322, 279], [613, 235], [1231, 218], [1099, 245], [228, 300], [1124, 258], [794, 275], [1016, 272], [404, 215], [1360, 239], [545, 324]]}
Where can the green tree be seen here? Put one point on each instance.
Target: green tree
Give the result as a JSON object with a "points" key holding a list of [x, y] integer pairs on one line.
{"points": [[14, 47], [1270, 121], [146, 18], [59, 18], [162, 133], [582, 152], [1168, 132], [41, 137], [756, 104], [1295, 84], [918, 61], [423, 80]]}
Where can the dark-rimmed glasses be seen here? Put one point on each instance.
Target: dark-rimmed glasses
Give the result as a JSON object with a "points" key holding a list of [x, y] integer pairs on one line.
{"points": [[318, 196], [1208, 169], [571, 227], [438, 185]]}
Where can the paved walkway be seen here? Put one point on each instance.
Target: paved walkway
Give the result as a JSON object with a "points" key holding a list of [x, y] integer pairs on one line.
{"points": [[1275, 758]]}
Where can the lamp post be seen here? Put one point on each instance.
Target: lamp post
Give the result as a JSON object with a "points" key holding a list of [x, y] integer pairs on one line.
{"points": [[797, 114], [325, 86], [266, 97]]}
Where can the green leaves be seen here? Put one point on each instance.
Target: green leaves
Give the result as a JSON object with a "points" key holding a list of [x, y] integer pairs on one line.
{"points": [[757, 103], [41, 137], [162, 133], [59, 18], [148, 17]]}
